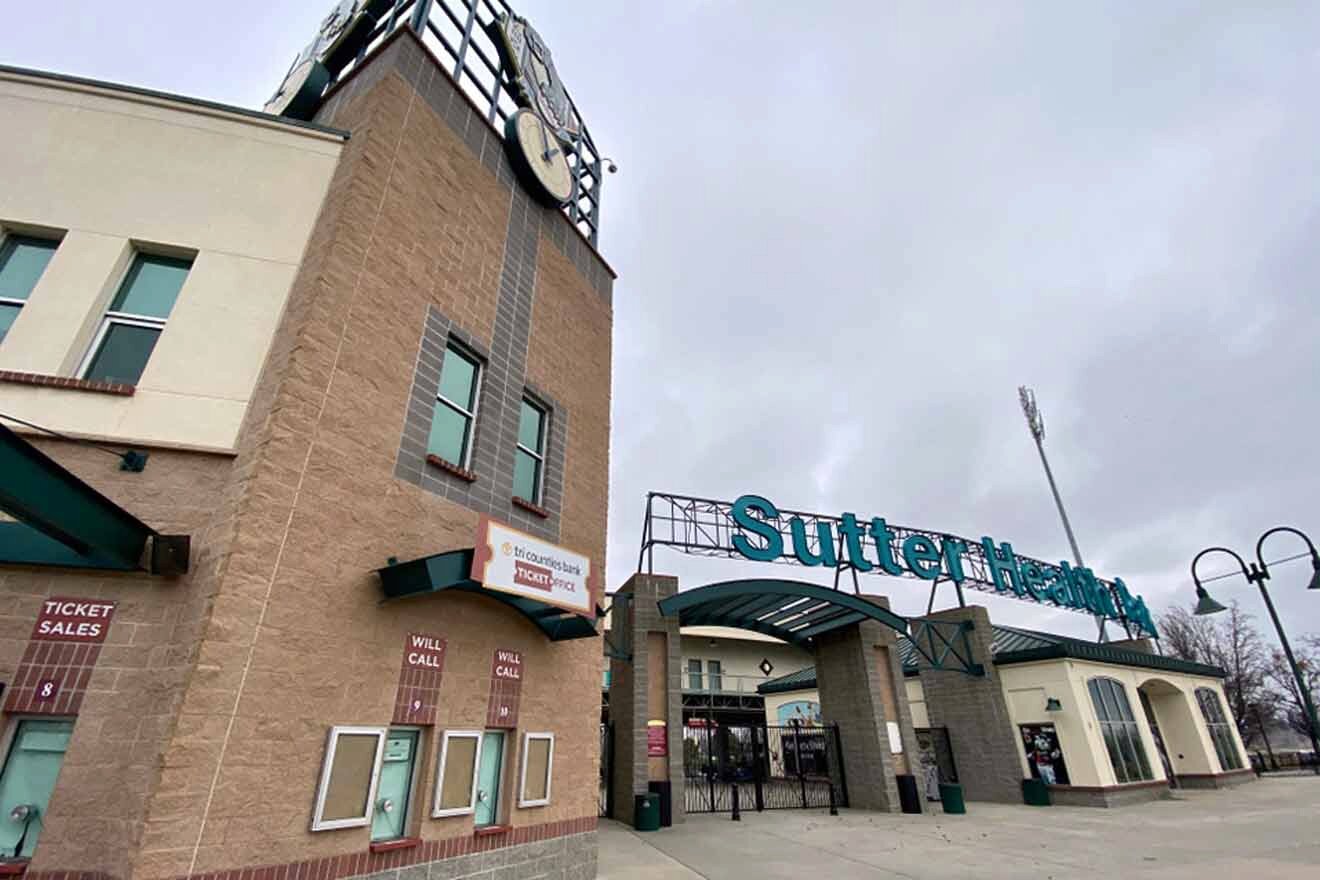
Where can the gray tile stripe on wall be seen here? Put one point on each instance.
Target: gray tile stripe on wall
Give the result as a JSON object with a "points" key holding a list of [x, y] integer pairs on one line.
{"points": [[439, 91], [500, 403]]}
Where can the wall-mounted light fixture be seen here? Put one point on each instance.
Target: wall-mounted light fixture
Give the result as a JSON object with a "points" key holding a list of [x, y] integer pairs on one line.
{"points": [[1052, 704]]}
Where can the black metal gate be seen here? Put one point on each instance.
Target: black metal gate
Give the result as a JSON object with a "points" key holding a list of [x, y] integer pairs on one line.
{"points": [[605, 805], [771, 767]]}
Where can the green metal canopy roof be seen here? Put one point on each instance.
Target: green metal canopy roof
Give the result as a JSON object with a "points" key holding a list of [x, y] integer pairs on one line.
{"points": [[792, 611], [451, 571], [60, 520], [1012, 645]]}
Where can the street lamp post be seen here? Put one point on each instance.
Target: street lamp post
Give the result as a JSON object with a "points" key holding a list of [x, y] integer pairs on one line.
{"points": [[1258, 573]]}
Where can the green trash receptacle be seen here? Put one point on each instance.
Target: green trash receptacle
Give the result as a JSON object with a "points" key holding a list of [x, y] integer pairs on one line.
{"points": [[951, 795], [1035, 793], [646, 812]]}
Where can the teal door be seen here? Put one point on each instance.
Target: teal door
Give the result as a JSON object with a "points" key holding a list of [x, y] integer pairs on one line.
{"points": [[488, 777], [27, 781], [396, 776]]}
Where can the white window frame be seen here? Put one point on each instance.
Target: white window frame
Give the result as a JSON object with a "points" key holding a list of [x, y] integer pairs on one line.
{"points": [[549, 770], [5, 236], [440, 400], [319, 824], [157, 324], [538, 489], [436, 811]]}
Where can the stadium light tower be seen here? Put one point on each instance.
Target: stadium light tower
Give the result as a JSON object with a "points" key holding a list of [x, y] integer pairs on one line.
{"points": [[1036, 423]]}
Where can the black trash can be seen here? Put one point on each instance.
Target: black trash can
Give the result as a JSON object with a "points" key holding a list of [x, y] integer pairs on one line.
{"points": [[908, 797], [664, 791]]}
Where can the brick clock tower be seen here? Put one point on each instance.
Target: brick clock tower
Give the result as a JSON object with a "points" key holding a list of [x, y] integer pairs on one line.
{"points": [[384, 652]]}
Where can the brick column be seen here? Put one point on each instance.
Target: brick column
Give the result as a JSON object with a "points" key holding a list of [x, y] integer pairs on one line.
{"points": [[635, 699], [849, 663], [981, 733]]}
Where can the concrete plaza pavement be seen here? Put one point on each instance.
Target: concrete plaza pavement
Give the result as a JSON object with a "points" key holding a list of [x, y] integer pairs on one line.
{"points": [[1264, 829]]}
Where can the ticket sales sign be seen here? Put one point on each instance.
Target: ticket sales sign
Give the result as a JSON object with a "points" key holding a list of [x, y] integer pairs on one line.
{"points": [[514, 562]]}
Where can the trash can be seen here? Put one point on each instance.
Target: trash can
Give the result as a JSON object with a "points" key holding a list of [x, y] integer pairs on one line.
{"points": [[1035, 793], [646, 812], [951, 795], [663, 791], [908, 797]]}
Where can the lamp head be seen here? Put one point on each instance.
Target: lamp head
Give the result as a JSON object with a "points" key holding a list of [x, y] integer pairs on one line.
{"points": [[1315, 573], [1205, 604]]}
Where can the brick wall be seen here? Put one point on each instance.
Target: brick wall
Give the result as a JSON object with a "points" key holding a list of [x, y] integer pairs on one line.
{"points": [[95, 819], [416, 220]]}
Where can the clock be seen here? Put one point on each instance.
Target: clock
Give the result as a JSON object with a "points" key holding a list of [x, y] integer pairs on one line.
{"points": [[300, 93], [538, 156]]}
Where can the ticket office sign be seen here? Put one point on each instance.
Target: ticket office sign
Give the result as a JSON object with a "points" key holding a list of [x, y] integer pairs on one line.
{"points": [[515, 562]]}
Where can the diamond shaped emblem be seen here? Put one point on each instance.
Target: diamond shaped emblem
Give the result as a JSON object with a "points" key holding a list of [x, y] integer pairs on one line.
{"points": [[766, 666]]}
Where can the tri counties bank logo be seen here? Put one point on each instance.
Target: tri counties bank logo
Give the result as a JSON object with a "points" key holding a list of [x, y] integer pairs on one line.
{"points": [[507, 548]]}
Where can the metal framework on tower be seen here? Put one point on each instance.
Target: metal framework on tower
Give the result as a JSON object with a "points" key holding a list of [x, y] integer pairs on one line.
{"points": [[461, 34]]}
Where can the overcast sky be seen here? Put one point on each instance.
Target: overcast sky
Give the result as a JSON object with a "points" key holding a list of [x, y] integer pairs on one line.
{"points": [[846, 232]]}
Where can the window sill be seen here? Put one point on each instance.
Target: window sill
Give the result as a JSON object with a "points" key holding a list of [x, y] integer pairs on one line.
{"points": [[491, 830], [116, 388], [528, 506], [450, 468], [395, 845]]}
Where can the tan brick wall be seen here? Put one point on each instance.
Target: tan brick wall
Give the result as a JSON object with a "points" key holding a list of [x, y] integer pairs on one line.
{"points": [[94, 821], [297, 641]]}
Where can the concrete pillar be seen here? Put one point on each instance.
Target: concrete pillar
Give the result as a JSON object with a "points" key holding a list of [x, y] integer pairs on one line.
{"points": [[644, 690], [860, 679], [981, 733]]}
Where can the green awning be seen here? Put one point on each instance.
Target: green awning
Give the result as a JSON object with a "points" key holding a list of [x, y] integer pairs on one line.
{"points": [[60, 520], [452, 571]]}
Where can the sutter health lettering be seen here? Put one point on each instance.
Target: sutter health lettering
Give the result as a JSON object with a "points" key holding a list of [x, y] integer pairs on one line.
{"points": [[925, 557]]}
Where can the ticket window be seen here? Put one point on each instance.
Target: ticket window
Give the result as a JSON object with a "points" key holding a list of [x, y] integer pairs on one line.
{"points": [[28, 778], [490, 773], [394, 788]]}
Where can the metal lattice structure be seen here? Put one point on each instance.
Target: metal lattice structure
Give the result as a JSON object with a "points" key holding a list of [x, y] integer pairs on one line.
{"points": [[705, 527], [461, 34]]}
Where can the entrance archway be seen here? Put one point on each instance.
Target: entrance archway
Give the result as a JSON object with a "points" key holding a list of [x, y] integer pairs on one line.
{"points": [[1172, 723]]}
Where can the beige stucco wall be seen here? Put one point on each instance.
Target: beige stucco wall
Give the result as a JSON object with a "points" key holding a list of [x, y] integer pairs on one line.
{"points": [[110, 170], [1028, 685], [740, 656]]}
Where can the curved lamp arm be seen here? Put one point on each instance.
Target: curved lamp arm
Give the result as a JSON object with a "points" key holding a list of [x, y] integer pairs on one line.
{"points": [[1260, 545], [1241, 562]]}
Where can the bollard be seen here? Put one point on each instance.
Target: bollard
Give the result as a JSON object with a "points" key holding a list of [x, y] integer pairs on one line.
{"points": [[834, 807], [737, 816]]}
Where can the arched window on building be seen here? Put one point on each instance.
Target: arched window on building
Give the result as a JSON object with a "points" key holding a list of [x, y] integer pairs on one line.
{"points": [[1119, 727], [1217, 723]]}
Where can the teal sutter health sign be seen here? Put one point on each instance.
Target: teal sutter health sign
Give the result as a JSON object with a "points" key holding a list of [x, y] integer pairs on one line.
{"points": [[761, 538]]}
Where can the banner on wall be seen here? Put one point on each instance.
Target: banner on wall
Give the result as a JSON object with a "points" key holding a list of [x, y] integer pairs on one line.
{"points": [[515, 562]]}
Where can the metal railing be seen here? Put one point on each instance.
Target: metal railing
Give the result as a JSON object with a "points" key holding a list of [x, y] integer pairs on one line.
{"points": [[459, 33], [721, 683]]}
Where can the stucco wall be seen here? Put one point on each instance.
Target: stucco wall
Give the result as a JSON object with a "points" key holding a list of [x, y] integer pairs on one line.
{"points": [[111, 170], [739, 657], [1028, 685]]}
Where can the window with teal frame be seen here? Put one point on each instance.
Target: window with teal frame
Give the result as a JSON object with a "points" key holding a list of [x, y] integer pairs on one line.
{"points": [[529, 457], [455, 414], [135, 319], [22, 260]]}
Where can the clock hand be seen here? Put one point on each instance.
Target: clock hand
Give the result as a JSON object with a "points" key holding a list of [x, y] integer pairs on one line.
{"points": [[549, 153]]}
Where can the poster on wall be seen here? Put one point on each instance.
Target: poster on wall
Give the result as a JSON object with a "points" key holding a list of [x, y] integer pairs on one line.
{"points": [[1044, 754]]}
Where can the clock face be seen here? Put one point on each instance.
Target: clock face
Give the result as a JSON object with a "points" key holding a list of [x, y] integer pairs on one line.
{"points": [[300, 92], [539, 157]]}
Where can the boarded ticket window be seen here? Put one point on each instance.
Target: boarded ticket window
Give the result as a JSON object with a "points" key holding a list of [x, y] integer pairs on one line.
{"points": [[538, 759], [456, 785], [348, 778]]}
